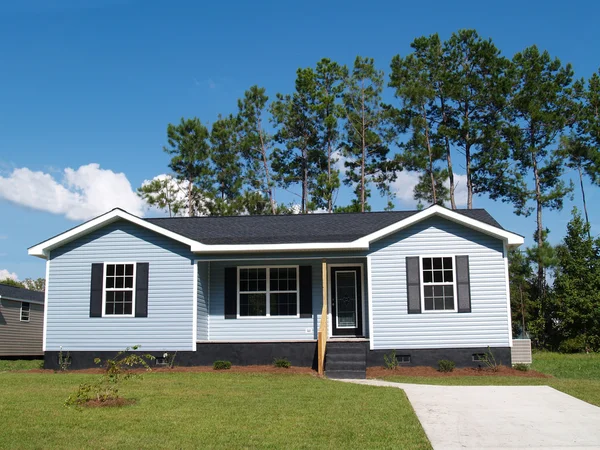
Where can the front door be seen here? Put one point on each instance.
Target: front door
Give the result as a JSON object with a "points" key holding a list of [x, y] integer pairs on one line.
{"points": [[346, 301]]}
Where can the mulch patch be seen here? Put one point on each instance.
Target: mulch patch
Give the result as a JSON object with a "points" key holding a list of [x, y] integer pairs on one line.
{"points": [[112, 403], [199, 369], [422, 371]]}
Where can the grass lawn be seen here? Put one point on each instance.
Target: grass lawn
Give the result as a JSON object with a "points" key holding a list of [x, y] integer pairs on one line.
{"points": [[214, 410], [577, 375], [20, 364]]}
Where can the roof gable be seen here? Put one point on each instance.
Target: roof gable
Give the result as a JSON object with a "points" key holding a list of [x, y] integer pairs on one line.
{"points": [[283, 233], [16, 293]]}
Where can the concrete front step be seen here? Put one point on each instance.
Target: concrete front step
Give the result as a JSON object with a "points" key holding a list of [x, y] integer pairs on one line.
{"points": [[346, 365], [346, 374]]}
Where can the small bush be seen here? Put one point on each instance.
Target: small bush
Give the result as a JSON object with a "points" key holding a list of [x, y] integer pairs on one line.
{"points": [[391, 361], [282, 362], [221, 365], [445, 365], [573, 345], [522, 367], [489, 361], [116, 371]]}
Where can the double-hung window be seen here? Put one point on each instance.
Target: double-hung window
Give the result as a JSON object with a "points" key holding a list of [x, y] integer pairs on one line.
{"points": [[268, 291], [25, 307], [438, 282], [119, 289]]}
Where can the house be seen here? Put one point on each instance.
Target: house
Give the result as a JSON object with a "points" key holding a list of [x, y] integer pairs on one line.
{"points": [[21, 322], [430, 284]]}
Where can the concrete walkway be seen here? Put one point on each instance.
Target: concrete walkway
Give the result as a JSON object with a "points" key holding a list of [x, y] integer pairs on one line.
{"points": [[501, 417]]}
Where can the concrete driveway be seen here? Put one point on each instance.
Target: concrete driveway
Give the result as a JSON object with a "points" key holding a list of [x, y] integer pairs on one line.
{"points": [[501, 417]]}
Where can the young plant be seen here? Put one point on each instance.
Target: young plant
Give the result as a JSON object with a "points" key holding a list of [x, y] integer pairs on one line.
{"points": [[64, 361], [222, 365], [489, 360], [522, 367], [116, 371], [391, 361], [445, 365], [282, 362]]}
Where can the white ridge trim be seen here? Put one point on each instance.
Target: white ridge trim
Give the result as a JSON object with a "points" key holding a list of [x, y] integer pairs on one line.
{"points": [[41, 250]]}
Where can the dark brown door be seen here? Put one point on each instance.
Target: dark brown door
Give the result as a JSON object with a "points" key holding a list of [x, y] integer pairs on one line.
{"points": [[346, 301]]}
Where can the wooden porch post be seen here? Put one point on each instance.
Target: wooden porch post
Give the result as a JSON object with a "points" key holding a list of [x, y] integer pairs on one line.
{"points": [[322, 335]]}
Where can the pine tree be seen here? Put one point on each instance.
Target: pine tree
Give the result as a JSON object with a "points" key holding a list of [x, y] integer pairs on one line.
{"points": [[366, 146], [414, 83], [477, 85], [227, 166], [255, 142], [298, 160], [537, 115], [187, 143], [577, 288]]}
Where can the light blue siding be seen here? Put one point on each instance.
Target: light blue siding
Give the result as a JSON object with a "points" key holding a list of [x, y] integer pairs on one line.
{"points": [[271, 328], [393, 327], [203, 293], [169, 325]]}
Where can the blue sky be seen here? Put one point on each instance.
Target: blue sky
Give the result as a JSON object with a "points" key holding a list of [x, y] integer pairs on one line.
{"points": [[96, 82]]}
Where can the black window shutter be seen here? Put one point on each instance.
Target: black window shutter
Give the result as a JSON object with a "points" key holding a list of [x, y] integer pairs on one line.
{"points": [[463, 284], [230, 292], [306, 291], [96, 289], [141, 289], [413, 284]]}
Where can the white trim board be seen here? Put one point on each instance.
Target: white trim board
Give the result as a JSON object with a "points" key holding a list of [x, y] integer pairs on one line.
{"points": [[41, 250]]}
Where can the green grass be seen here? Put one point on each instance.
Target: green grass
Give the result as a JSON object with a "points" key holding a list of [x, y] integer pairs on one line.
{"points": [[577, 375], [214, 410], [20, 364]]}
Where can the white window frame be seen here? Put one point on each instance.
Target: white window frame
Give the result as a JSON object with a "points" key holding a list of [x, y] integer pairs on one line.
{"points": [[422, 282], [268, 292], [105, 289], [28, 312]]}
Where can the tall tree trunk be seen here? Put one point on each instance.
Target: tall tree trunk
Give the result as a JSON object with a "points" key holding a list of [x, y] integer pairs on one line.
{"points": [[539, 234], [329, 189], [364, 155], [431, 174], [191, 209], [448, 158], [522, 310], [468, 170], [587, 219], [263, 151], [304, 181]]}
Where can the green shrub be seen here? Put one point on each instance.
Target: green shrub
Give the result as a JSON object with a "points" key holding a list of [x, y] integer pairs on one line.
{"points": [[391, 361], [282, 362], [445, 365], [221, 365], [573, 345], [522, 367]]}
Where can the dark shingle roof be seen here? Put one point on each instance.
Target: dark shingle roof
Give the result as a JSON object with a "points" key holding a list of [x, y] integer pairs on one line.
{"points": [[308, 228], [17, 293]]}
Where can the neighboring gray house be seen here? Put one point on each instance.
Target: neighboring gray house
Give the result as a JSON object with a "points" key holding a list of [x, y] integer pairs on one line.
{"points": [[430, 284], [21, 322]]}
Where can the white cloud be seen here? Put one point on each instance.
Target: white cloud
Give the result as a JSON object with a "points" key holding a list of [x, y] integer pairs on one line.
{"points": [[83, 193], [4, 274], [407, 180]]}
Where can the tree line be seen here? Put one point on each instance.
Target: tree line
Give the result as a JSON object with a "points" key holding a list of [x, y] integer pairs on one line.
{"points": [[514, 126]]}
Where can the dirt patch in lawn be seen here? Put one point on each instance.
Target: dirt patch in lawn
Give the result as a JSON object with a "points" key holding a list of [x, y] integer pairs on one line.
{"points": [[111, 403], [422, 371], [234, 369]]}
